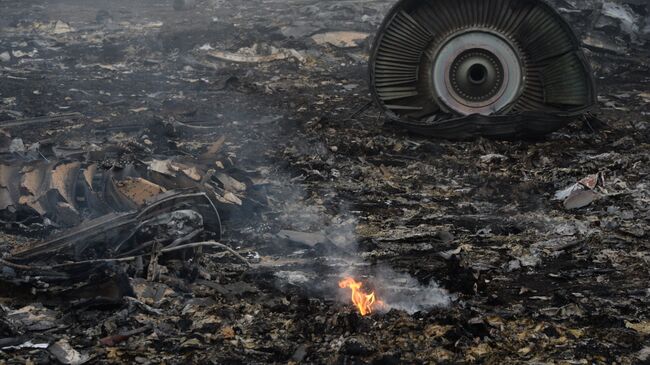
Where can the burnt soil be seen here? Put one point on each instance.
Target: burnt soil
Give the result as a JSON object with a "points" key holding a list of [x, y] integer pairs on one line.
{"points": [[531, 281]]}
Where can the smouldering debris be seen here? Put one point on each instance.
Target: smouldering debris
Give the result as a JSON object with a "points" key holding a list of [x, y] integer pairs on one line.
{"points": [[190, 186]]}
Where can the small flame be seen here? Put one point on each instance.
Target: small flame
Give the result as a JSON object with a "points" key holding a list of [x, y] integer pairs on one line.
{"points": [[364, 302]]}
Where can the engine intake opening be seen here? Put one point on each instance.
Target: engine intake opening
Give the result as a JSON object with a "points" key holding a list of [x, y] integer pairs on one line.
{"points": [[477, 74]]}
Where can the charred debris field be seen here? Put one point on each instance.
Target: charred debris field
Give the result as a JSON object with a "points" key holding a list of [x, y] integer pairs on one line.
{"points": [[220, 182]]}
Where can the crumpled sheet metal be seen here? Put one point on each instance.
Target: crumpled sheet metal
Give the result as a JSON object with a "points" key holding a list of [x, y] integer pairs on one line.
{"points": [[43, 187], [106, 236], [69, 192], [79, 263], [9, 191], [520, 125]]}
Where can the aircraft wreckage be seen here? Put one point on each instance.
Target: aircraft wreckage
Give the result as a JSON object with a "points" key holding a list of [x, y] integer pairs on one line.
{"points": [[461, 69]]}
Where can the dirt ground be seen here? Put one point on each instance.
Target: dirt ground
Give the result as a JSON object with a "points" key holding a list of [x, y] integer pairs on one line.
{"points": [[519, 278]]}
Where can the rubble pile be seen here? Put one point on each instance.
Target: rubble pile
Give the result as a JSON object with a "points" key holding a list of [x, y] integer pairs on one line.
{"points": [[191, 181]]}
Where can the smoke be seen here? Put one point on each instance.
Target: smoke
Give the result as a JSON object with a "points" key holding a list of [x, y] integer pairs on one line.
{"points": [[402, 291], [396, 290]]}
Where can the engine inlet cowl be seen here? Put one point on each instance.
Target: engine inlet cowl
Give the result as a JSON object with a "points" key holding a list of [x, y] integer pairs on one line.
{"points": [[459, 68]]}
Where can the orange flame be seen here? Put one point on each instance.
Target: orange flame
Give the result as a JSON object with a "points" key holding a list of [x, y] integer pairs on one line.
{"points": [[364, 302]]}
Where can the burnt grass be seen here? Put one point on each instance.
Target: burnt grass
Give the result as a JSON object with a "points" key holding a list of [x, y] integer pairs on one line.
{"points": [[532, 281]]}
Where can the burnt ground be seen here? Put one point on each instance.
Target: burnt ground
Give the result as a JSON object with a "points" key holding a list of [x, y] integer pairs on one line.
{"points": [[530, 281]]}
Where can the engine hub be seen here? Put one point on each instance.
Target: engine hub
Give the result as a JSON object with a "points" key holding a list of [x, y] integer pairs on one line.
{"points": [[477, 72]]}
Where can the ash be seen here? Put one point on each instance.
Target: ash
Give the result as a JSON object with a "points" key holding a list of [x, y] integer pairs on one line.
{"points": [[187, 182]]}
